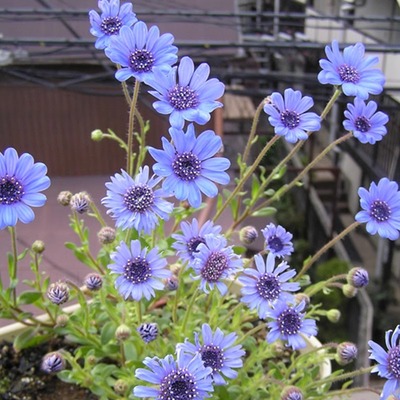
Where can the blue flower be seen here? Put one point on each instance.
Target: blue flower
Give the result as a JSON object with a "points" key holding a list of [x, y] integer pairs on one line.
{"points": [[288, 324], [388, 366], [214, 262], [381, 209], [111, 20], [185, 378], [287, 115], [21, 180], [367, 125], [138, 50], [278, 240], [140, 272], [351, 70], [148, 332], [265, 285], [217, 352], [192, 235], [189, 165], [191, 96], [134, 203]]}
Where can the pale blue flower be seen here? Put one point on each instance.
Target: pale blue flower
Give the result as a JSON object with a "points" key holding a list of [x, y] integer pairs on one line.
{"points": [[278, 240]]}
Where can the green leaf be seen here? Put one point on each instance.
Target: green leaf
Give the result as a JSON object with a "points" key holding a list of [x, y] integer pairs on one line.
{"points": [[108, 332], [29, 297], [130, 350], [29, 338], [255, 185], [264, 212]]}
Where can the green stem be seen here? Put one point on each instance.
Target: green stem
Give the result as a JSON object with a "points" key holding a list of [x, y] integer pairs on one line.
{"points": [[251, 332], [230, 313], [331, 102], [131, 126], [138, 312], [117, 139], [97, 214], [347, 391], [177, 293], [310, 291], [188, 310], [14, 270]]}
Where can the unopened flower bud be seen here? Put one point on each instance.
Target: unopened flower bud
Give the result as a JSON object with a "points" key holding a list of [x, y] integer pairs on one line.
{"points": [[106, 235], [346, 352], [58, 293], [349, 290], [80, 202], [292, 393], [358, 277], [64, 198], [302, 297], [53, 362], [148, 332], [121, 386], [248, 234], [185, 204], [93, 281], [175, 268], [171, 283], [333, 315], [123, 332], [38, 246], [62, 320], [91, 359], [97, 135]]}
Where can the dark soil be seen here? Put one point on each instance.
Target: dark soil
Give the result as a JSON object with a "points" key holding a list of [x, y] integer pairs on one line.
{"points": [[22, 379]]}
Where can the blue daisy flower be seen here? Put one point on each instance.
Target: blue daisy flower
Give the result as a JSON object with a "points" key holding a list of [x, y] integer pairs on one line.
{"points": [[191, 96], [138, 50], [140, 272], [288, 324], [266, 285], [278, 240], [183, 378], [215, 262], [367, 125], [189, 165], [111, 20], [388, 366], [217, 352], [21, 180], [192, 235], [381, 209], [287, 114], [134, 203], [351, 70]]}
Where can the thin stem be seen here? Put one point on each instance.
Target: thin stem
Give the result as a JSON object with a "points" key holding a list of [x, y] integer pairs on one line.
{"points": [[230, 313], [347, 391], [310, 291], [256, 329], [188, 310], [138, 312], [131, 126], [331, 102], [14, 270], [177, 293], [97, 214]]}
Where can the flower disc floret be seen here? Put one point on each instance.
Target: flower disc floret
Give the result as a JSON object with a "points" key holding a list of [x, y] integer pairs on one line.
{"points": [[278, 240], [351, 70], [112, 19], [21, 181], [135, 203], [287, 114], [189, 166], [140, 271], [367, 125], [380, 209], [138, 50], [185, 93]]}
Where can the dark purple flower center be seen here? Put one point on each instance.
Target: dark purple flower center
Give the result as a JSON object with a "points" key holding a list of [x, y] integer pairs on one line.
{"points": [[275, 244], [111, 25], [362, 124], [212, 356], [348, 74], [268, 287], [380, 210], [11, 190], [178, 385], [137, 270], [290, 119], [289, 322], [187, 166], [216, 264], [141, 60], [139, 198], [394, 361], [183, 97], [193, 243]]}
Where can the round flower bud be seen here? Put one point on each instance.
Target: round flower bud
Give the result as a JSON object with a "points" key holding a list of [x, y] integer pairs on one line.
{"points": [[292, 393], [91, 359], [80, 202], [299, 297], [123, 332], [58, 293], [349, 290], [248, 234], [64, 198], [62, 320], [346, 352], [175, 268], [121, 386], [333, 315], [53, 362], [106, 235], [97, 135], [358, 277], [148, 332], [38, 246], [93, 281], [171, 283]]}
